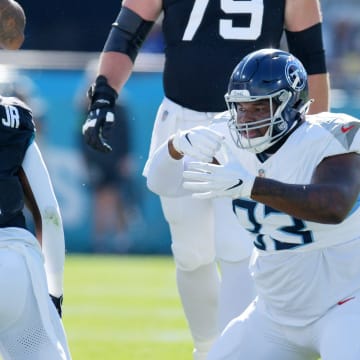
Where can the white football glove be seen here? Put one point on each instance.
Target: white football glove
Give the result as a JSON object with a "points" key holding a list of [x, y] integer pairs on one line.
{"points": [[211, 180], [200, 143]]}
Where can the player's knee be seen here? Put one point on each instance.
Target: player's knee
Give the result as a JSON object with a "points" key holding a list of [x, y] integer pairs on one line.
{"points": [[189, 259], [191, 249]]}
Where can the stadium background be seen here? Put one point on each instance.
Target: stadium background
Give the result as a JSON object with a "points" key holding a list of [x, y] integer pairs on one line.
{"points": [[62, 36]]}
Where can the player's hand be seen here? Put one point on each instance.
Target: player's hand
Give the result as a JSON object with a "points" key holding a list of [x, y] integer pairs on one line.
{"points": [[58, 303], [200, 143], [214, 180], [101, 117]]}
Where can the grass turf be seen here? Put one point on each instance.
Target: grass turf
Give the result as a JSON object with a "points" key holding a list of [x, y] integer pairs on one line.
{"points": [[124, 307]]}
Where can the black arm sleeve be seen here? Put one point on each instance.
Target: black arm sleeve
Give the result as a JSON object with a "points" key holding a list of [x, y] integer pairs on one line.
{"points": [[128, 33], [307, 46]]}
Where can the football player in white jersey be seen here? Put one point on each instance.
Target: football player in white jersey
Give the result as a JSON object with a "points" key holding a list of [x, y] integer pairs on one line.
{"points": [[200, 38], [295, 182]]}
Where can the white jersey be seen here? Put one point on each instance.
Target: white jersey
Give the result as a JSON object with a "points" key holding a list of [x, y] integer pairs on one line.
{"points": [[303, 268]]}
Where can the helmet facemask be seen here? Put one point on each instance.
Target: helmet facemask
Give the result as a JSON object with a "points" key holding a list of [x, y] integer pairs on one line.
{"points": [[277, 77], [276, 125]]}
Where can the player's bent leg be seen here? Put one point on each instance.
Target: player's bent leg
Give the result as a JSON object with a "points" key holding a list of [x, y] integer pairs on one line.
{"points": [[252, 336], [198, 290], [237, 290], [232, 242], [14, 283], [191, 223], [25, 336], [191, 226], [59, 330], [233, 247], [339, 330], [27, 339]]}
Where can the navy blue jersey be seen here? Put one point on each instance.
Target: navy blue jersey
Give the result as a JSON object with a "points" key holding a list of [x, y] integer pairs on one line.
{"points": [[204, 40], [16, 133]]}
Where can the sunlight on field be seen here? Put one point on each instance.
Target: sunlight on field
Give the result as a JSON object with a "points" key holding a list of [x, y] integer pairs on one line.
{"points": [[118, 307]]}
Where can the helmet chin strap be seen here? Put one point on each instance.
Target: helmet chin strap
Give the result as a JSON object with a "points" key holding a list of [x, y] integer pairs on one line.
{"points": [[305, 108], [268, 140], [264, 155], [277, 142]]}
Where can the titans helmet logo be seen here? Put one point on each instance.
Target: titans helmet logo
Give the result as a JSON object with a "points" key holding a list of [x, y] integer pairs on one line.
{"points": [[295, 76]]}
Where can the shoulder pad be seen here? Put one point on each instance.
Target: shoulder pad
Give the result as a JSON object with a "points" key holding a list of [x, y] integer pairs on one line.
{"points": [[15, 114], [343, 127], [14, 101]]}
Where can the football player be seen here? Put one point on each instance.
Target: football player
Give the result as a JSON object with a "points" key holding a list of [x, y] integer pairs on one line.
{"points": [[203, 41], [295, 183], [30, 267]]}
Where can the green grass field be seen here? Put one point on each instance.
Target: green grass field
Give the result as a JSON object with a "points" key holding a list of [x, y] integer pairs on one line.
{"points": [[124, 307]]}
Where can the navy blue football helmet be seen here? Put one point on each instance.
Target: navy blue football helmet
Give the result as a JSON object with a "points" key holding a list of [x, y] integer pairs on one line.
{"points": [[270, 74]]}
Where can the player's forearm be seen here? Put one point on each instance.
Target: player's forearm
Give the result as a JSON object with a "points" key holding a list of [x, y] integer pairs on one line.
{"points": [[318, 203], [164, 176], [116, 67]]}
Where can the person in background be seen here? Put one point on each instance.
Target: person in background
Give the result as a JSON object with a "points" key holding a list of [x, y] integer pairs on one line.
{"points": [[110, 176], [204, 40], [12, 24]]}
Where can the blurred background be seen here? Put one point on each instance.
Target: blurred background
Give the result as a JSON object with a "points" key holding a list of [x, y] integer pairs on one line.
{"points": [[112, 211]]}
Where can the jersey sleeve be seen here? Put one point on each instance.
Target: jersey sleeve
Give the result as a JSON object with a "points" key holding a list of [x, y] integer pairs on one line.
{"points": [[52, 232], [165, 174]]}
